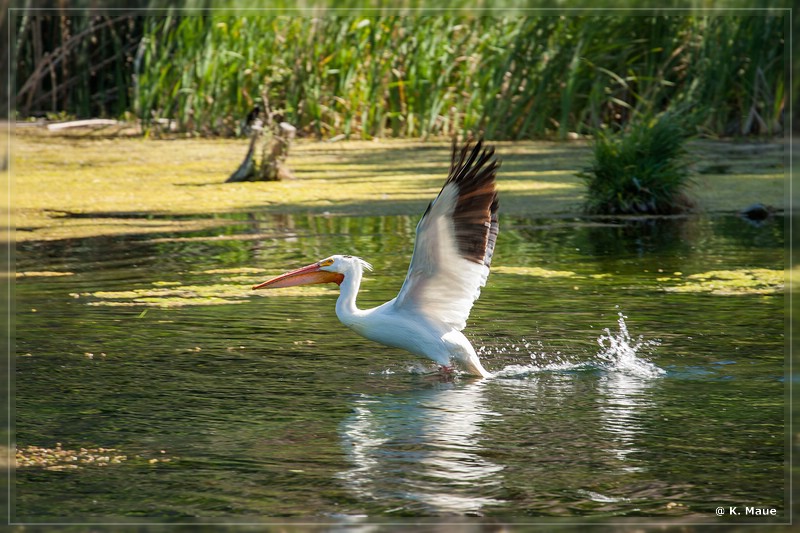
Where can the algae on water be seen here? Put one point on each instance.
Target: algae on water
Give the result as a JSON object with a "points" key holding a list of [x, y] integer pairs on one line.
{"points": [[732, 282], [79, 187], [230, 290]]}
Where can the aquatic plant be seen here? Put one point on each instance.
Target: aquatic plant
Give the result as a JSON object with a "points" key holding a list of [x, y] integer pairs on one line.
{"points": [[512, 77], [732, 282], [639, 171]]}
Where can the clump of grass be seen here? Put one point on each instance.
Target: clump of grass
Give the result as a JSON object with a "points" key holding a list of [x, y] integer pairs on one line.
{"points": [[641, 171]]}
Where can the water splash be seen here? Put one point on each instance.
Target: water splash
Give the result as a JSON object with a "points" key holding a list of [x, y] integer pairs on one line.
{"points": [[621, 353], [541, 361]]}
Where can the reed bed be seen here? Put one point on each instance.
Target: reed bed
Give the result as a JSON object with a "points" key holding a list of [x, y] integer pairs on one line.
{"points": [[507, 77], [511, 77], [75, 65]]}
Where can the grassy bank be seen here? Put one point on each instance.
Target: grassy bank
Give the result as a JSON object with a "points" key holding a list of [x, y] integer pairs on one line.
{"points": [[81, 186]]}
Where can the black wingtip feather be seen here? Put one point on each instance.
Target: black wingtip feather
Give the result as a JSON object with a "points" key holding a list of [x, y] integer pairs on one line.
{"points": [[475, 215]]}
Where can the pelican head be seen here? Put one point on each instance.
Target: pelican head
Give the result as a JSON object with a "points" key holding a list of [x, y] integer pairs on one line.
{"points": [[329, 270]]}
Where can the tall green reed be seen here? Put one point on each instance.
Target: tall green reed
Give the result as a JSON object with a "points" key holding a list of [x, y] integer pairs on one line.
{"points": [[508, 77]]}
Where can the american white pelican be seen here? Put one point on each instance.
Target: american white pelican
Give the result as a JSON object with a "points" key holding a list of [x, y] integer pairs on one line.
{"points": [[450, 264]]}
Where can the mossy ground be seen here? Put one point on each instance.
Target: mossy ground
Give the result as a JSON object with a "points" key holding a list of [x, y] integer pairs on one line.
{"points": [[82, 184]]}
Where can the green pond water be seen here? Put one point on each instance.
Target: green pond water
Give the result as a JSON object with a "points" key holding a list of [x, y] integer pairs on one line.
{"points": [[640, 373]]}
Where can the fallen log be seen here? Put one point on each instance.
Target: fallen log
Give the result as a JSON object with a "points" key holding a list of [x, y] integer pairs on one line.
{"points": [[88, 123]]}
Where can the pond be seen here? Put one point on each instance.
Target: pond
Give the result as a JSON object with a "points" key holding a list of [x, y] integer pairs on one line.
{"points": [[640, 373]]}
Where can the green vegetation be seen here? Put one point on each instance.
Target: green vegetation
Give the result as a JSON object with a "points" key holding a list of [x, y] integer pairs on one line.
{"points": [[74, 64], [733, 282], [742, 282], [228, 290], [510, 77], [639, 171], [533, 271], [77, 186], [59, 458]]}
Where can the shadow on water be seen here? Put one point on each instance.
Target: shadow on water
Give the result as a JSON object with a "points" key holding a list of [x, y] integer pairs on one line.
{"points": [[265, 406]]}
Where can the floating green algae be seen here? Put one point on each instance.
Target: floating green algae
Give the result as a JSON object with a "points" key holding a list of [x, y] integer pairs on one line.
{"points": [[67, 187], [233, 290], [732, 282], [533, 271], [42, 274], [59, 458]]}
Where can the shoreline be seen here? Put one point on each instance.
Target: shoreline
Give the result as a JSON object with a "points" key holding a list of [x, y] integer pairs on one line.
{"points": [[83, 185]]}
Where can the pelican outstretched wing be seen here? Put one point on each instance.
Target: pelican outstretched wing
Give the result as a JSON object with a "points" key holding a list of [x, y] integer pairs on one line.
{"points": [[455, 241]]}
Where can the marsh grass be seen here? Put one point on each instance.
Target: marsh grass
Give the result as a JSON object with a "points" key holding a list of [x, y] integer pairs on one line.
{"points": [[68, 65], [640, 171], [509, 77]]}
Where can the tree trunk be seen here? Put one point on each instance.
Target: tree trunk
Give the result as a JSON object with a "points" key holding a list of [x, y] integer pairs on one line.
{"points": [[271, 166], [247, 169]]}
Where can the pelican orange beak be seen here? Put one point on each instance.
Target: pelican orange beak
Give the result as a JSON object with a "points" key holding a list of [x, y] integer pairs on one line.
{"points": [[302, 276]]}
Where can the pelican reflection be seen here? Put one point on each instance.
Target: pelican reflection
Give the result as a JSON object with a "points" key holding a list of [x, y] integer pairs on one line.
{"points": [[622, 411], [420, 451]]}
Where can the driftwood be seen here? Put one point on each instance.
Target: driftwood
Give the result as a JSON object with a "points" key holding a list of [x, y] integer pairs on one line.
{"points": [[82, 124], [275, 144]]}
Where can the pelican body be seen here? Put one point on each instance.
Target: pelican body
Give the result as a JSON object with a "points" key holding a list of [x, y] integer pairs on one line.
{"points": [[452, 253]]}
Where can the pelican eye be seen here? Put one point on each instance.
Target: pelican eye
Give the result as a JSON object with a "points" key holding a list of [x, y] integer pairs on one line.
{"points": [[326, 262]]}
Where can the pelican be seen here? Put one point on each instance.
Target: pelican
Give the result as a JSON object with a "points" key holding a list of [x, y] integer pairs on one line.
{"points": [[453, 250]]}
